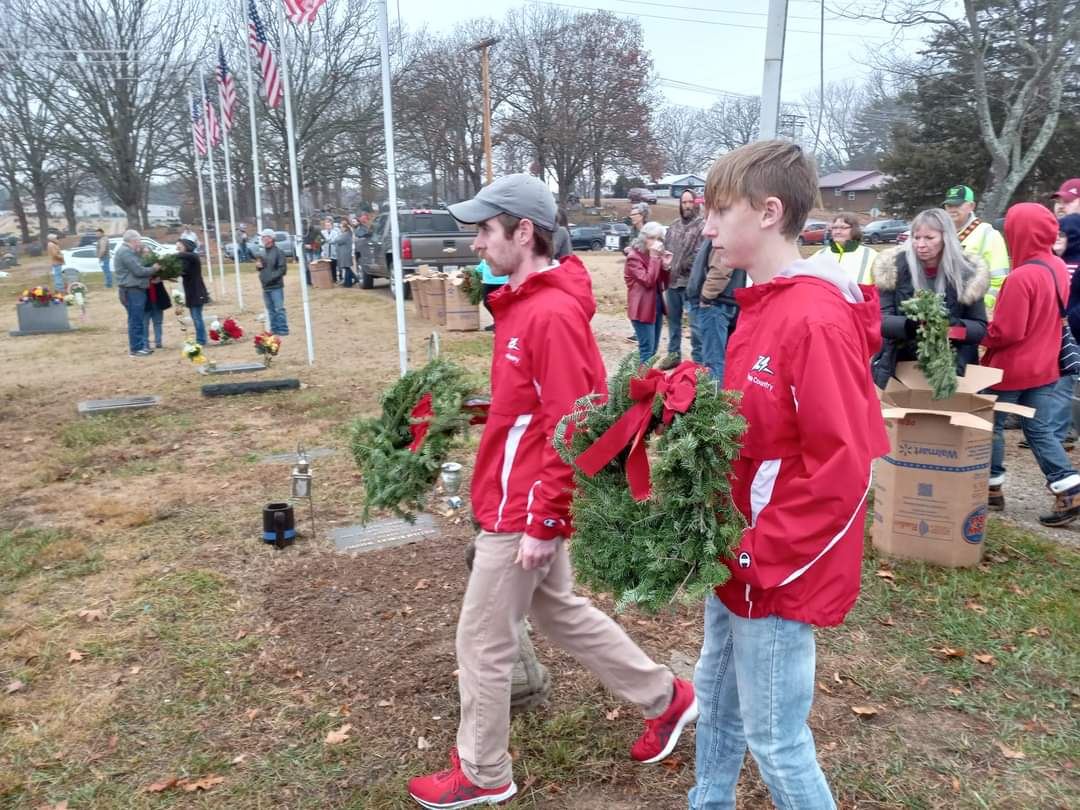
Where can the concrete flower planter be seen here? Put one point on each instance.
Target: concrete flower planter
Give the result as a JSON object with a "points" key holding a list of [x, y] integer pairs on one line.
{"points": [[36, 320]]}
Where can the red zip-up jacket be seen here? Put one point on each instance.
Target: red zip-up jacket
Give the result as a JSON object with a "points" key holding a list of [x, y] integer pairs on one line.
{"points": [[1024, 338], [801, 358], [545, 359]]}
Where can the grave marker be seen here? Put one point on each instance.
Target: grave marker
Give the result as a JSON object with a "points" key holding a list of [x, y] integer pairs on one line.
{"points": [[385, 533]]}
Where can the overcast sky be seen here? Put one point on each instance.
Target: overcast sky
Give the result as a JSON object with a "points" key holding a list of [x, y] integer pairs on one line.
{"points": [[713, 44]]}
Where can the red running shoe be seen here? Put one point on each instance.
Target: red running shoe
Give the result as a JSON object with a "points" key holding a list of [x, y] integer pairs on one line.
{"points": [[450, 789], [662, 733]]}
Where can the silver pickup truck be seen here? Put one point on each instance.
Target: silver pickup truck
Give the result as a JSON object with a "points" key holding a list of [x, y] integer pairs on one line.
{"points": [[431, 237]]}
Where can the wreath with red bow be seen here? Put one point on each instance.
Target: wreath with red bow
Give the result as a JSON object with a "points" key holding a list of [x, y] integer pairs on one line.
{"points": [[401, 451], [652, 510]]}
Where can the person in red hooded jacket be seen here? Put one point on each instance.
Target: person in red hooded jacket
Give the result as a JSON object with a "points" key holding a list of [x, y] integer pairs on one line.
{"points": [[801, 361], [1024, 340], [545, 359]]}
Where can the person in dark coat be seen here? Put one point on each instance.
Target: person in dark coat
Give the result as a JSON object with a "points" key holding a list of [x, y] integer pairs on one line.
{"points": [[157, 301], [932, 259], [195, 293]]}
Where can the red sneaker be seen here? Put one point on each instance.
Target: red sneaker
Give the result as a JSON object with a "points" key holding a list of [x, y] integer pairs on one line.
{"points": [[450, 789], [662, 733]]}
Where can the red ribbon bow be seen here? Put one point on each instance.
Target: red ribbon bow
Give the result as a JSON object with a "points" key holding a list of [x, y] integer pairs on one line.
{"points": [[420, 422], [677, 389]]}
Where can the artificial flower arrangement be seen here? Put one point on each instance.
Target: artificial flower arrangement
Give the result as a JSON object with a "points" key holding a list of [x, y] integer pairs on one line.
{"points": [[178, 297], [41, 297], [226, 332], [193, 352], [268, 345]]}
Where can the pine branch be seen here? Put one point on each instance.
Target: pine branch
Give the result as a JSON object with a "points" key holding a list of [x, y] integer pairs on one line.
{"points": [[936, 356]]}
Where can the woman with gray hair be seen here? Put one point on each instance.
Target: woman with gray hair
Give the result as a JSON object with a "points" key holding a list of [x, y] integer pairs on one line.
{"points": [[932, 259], [646, 276]]}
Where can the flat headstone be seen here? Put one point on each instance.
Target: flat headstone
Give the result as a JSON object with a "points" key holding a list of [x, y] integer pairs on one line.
{"points": [[385, 533], [92, 406], [231, 368], [290, 458], [249, 387]]}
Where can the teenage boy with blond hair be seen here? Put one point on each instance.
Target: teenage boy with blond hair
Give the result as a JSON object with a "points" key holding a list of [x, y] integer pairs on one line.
{"points": [[801, 360]]}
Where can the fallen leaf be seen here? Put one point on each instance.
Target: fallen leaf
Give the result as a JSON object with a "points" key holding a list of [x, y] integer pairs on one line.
{"points": [[205, 783], [338, 736], [672, 763], [824, 688], [114, 741], [422, 744], [251, 714], [75, 655], [344, 710], [14, 686], [955, 692], [163, 785], [1041, 632], [241, 634], [613, 714], [383, 704], [1011, 753], [1017, 590], [950, 652], [90, 615], [836, 677], [984, 658], [1008, 647], [886, 621], [134, 670], [885, 573], [974, 606], [956, 784], [864, 711], [422, 585]]}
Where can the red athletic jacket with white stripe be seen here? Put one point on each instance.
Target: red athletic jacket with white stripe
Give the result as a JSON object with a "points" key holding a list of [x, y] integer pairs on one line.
{"points": [[545, 359], [801, 358]]}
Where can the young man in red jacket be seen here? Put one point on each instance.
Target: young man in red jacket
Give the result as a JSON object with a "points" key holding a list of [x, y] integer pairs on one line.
{"points": [[1024, 340], [545, 358], [801, 360]]}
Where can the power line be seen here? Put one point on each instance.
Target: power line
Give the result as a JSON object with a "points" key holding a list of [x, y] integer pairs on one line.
{"points": [[708, 10]]}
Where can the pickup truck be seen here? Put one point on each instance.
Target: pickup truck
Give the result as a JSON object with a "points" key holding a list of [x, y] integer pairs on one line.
{"points": [[431, 237]]}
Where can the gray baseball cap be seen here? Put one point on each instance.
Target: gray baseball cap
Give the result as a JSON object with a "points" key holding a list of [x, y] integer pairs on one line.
{"points": [[520, 195]]}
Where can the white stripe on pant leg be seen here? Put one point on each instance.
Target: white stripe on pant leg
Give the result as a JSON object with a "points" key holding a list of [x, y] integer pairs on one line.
{"points": [[513, 440]]}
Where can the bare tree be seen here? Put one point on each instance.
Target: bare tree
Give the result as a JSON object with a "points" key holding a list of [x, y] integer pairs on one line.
{"points": [[732, 122], [1020, 54], [680, 136]]}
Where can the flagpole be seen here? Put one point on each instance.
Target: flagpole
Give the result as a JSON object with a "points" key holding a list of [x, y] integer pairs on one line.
{"points": [[202, 195], [391, 182], [213, 189], [232, 206], [254, 135], [295, 182]]}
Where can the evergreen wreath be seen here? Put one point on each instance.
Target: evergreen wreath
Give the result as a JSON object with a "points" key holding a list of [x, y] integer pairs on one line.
{"points": [[400, 452], [934, 354], [654, 543]]}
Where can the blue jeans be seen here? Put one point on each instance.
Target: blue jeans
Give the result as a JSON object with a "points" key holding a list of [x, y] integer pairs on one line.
{"points": [[106, 270], [712, 323], [158, 317], [1039, 432], [754, 684], [134, 300], [350, 277], [676, 298], [199, 324], [648, 334], [275, 306], [1063, 417], [58, 277]]}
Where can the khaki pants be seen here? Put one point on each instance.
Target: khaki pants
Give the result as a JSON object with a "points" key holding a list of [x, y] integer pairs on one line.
{"points": [[499, 595]]}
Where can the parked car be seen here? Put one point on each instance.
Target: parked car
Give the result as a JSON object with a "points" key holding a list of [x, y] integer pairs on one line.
{"points": [[254, 244], [884, 230], [813, 233], [617, 228], [85, 260], [587, 237], [903, 237], [642, 195], [428, 236], [87, 238]]}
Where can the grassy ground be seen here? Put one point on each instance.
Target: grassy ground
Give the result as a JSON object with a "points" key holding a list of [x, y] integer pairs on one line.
{"points": [[154, 654]]}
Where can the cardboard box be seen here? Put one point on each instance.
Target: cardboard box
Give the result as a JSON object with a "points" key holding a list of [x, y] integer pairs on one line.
{"points": [[461, 314], [930, 491], [321, 279], [436, 297]]}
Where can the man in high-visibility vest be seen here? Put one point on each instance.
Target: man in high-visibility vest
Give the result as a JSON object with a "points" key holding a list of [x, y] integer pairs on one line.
{"points": [[979, 238]]}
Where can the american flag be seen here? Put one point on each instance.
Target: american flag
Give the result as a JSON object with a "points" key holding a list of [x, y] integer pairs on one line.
{"points": [[197, 128], [213, 128], [302, 11], [271, 81], [227, 88]]}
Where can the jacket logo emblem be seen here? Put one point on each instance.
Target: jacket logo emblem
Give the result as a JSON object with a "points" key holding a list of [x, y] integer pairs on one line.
{"points": [[762, 364], [512, 344], [744, 558], [551, 523]]}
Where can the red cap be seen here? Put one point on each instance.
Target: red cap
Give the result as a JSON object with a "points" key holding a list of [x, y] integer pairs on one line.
{"points": [[1069, 191]]}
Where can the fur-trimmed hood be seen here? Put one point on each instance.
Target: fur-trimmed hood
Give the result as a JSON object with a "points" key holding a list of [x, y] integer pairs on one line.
{"points": [[976, 281]]}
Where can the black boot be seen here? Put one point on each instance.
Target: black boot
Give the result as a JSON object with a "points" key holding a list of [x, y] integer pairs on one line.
{"points": [[996, 499], [1066, 508]]}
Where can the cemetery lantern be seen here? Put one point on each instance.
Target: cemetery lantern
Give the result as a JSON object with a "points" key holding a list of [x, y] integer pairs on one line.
{"points": [[301, 475], [451, 481]]}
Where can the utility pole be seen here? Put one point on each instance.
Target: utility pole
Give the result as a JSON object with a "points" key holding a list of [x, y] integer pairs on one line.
{"points": [[775, 28], [483, 46]]}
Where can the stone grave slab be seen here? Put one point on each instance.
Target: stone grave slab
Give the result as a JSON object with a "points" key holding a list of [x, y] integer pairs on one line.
{"points": [[290, 458], [385, 533], [92, 406], [231, 368]]}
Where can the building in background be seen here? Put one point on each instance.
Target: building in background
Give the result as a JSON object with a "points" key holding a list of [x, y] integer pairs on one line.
{"points": [[861, 190]]}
